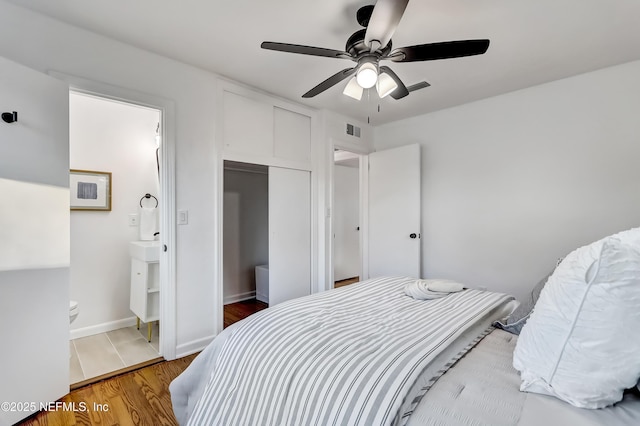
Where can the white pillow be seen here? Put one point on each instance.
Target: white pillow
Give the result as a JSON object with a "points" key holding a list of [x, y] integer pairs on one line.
{"points": [[576, 345]]}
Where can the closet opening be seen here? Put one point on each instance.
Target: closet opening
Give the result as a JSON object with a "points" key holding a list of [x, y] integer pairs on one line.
{"points": [[245, 240]]}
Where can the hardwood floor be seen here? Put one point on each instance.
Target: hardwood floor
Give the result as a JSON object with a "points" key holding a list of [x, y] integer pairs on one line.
{"points": [[137, 398], [234, 312], [348, 281]]}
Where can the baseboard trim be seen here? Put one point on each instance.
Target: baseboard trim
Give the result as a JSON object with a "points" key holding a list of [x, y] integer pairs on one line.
{"points": [[239, 297], [262, 298], [101, 328], [193, 346]]}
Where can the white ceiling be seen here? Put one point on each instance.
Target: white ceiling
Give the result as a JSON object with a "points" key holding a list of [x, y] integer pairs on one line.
{"points": [[532, 42]]}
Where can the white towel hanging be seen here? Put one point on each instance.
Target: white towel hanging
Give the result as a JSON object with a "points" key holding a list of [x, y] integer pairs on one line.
{"points": [[148, 223]]}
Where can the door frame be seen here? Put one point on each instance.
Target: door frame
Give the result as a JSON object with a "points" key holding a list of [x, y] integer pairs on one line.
{"points": [[167, 274], [363, 168]]}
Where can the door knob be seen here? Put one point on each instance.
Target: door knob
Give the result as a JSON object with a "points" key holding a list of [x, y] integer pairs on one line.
{"points": [[413, 235]]}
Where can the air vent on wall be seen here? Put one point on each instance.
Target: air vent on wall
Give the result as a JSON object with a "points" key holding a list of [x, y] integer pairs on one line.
{"points": [[353, 130]]}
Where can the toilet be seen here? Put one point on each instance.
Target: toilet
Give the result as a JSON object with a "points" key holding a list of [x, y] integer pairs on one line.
{"points": [[73, 310]]}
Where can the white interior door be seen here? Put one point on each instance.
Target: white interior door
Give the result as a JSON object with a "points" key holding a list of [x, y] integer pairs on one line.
{"points": [[34, 241], [289, 234], [394, 212], [346, 222]]}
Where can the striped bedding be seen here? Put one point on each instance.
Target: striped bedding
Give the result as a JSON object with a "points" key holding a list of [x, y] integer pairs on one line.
{"points": [[343, 357]]}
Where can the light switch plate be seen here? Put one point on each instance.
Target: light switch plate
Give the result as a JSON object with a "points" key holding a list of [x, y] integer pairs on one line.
{"points": [[133, 219], [183, 217]]}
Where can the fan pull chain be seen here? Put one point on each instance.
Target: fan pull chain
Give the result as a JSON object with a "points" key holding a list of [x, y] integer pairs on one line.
{"points": [[368, 103]]}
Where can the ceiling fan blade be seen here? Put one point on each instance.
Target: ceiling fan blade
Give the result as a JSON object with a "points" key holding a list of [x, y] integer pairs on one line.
{"points": [[330, 82], [402, 90], [305, 50], [384, 20], [443, 50], [418, 86]]}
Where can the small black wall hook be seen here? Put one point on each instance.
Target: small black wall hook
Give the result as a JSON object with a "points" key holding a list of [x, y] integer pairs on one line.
{"points": [[10, 117]]}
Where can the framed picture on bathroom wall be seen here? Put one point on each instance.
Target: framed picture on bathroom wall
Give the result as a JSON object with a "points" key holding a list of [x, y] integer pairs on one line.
{"points": [[90, 190]]}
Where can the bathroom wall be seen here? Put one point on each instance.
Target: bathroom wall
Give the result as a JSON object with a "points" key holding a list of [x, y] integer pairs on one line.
{"points": [[246, 231], [118, 138]]}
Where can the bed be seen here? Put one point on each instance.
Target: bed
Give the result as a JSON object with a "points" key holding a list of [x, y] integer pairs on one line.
{"points": [[368, 354], [336, 357], [482, 389]]}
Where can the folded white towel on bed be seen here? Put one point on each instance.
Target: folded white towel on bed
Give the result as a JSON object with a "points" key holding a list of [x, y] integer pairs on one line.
{"points": [[432, 289]]}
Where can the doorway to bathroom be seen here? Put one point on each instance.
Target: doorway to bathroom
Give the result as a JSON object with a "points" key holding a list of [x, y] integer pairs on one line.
{"points": [[346, 218], [115, 157]]}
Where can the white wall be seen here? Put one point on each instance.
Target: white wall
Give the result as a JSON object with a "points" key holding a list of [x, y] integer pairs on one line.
{"points": [[46, 44], [119, 138], [346, 215], [246, 231], [335, 127], [513, 182]]}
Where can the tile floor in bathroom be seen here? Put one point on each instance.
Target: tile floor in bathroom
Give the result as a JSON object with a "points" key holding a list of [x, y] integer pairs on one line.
{"points": [[104, 353]]}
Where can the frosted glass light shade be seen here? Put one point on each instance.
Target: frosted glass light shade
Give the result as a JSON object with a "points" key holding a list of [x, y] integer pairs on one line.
{"points": [[385, 85], [353, 89], [367, 75]]}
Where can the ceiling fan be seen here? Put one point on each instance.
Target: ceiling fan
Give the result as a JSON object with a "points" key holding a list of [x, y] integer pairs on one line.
{"points": [[369, 46]]}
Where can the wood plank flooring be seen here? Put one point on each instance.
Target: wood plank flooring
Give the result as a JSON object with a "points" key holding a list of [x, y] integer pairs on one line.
{"points": [[138, 398], [234, 312], [348, 281]]}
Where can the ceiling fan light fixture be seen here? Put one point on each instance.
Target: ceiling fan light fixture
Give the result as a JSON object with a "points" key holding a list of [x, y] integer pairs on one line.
{"points": [[367, 75], [385, 85], [353, 89]]}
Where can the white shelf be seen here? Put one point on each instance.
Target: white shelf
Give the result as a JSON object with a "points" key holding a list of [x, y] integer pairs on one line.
{"points": [[144, 299]]}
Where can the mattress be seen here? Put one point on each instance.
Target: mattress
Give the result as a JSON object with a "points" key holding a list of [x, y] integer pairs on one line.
{"points": [[483, 389]]}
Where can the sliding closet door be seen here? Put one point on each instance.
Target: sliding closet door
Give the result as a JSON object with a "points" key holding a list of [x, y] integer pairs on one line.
{"points": [[34, 241], [289, 234]]}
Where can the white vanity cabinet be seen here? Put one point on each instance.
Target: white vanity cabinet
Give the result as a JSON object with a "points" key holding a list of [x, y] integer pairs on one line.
{"points": [[144, 300]]}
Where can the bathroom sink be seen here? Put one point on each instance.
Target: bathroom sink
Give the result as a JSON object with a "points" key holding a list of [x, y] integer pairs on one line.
{"points": [[147, 251]]}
